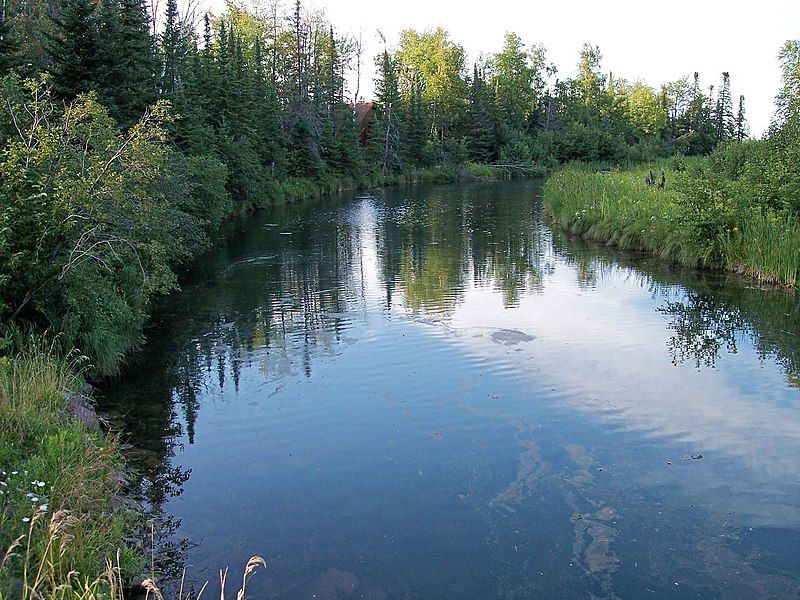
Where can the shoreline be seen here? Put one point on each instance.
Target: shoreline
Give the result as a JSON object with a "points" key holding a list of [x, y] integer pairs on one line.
{"points": [[619, 209]]}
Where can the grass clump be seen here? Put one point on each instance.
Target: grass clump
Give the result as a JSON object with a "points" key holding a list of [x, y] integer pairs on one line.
{"points": [[59, 515]]}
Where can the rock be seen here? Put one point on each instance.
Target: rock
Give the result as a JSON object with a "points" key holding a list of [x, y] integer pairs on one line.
{"points": [[511, 337], [78, 406]]}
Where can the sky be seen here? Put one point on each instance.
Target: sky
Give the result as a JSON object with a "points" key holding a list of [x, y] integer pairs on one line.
{"points": [[640, 39]]}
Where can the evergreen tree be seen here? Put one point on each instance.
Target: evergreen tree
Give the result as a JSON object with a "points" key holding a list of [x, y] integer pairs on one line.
{"points": [[724, 121], [702, 134], [75, 50], [481, 129], [8, 45], [742, 128], [129, 62], [417, 126], [173, 49], [388, 117], [269, 138]]}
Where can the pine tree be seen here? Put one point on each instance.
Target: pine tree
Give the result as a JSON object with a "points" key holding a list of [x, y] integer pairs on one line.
{"points": [[481, 138], [269, 138], [8, 45], [172, 50], [699, 119], [388, 115], [417, 130], [75, 49], [129, 63], [742, 128], [724, 121]]}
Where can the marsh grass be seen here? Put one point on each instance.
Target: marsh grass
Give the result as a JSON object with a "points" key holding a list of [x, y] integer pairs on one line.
{"points": [[618, 208]]}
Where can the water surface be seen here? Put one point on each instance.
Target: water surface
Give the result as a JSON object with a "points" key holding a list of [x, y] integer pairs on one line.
{"points": [[426, 392]]}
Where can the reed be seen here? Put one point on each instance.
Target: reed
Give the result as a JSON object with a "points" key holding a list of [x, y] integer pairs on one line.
{"points": [[619, 208]]}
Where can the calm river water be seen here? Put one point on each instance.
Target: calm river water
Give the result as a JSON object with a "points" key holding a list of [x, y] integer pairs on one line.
{"points": [[428, 393]]}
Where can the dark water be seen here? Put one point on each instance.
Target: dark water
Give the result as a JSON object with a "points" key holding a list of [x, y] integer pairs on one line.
{"points": [[428, 393]]}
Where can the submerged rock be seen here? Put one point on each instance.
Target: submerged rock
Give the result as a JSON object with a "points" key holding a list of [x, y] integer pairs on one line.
{"points": [[511, 337]]}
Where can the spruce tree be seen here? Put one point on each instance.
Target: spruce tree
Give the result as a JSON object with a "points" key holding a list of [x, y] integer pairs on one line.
{"points": [[8, 45], [388, 115], [75, 50], [269, 140], [724, 121], [481, 138], [172, 49], [129, 63], [417, 130], [742, 128]]}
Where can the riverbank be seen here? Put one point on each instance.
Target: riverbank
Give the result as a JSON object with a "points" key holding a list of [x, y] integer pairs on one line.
{"points": [[620, 208], [299, 189], [64, 527]]}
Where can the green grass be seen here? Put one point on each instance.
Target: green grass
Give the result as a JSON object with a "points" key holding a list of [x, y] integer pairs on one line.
{"points": [[468, 172], [58, 512], [765, 246], [618, 208]]}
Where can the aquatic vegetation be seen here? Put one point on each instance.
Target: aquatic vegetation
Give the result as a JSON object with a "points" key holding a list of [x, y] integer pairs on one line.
{"points": [[676, 222]]}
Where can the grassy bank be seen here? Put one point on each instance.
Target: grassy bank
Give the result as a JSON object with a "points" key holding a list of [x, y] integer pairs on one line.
{"points": [[618, 207], [60, 517], [297, 189]]}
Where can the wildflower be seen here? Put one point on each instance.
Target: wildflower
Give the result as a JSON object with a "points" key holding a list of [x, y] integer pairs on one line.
{"points": [[34, 499], [26, 519], [15, 472], [43, 507]]}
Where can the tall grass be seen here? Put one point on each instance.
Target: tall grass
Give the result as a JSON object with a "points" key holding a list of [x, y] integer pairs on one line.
{"points": [[765, 246], [44, 576], [52, 464], [618, 208]]}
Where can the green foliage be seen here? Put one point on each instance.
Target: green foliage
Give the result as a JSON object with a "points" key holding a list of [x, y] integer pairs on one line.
{"points": [[92, 220], [439, 63], [517, 78], [517, 149], [99, 207]]}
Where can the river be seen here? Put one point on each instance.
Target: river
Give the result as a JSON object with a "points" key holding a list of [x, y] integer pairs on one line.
{"points": [[427, 392]]}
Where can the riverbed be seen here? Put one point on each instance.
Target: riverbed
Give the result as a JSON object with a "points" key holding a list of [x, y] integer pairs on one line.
{"points": [[429, 393]]}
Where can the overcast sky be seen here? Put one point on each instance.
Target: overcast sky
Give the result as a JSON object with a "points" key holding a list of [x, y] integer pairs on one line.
{"points": [[639, 39]]}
